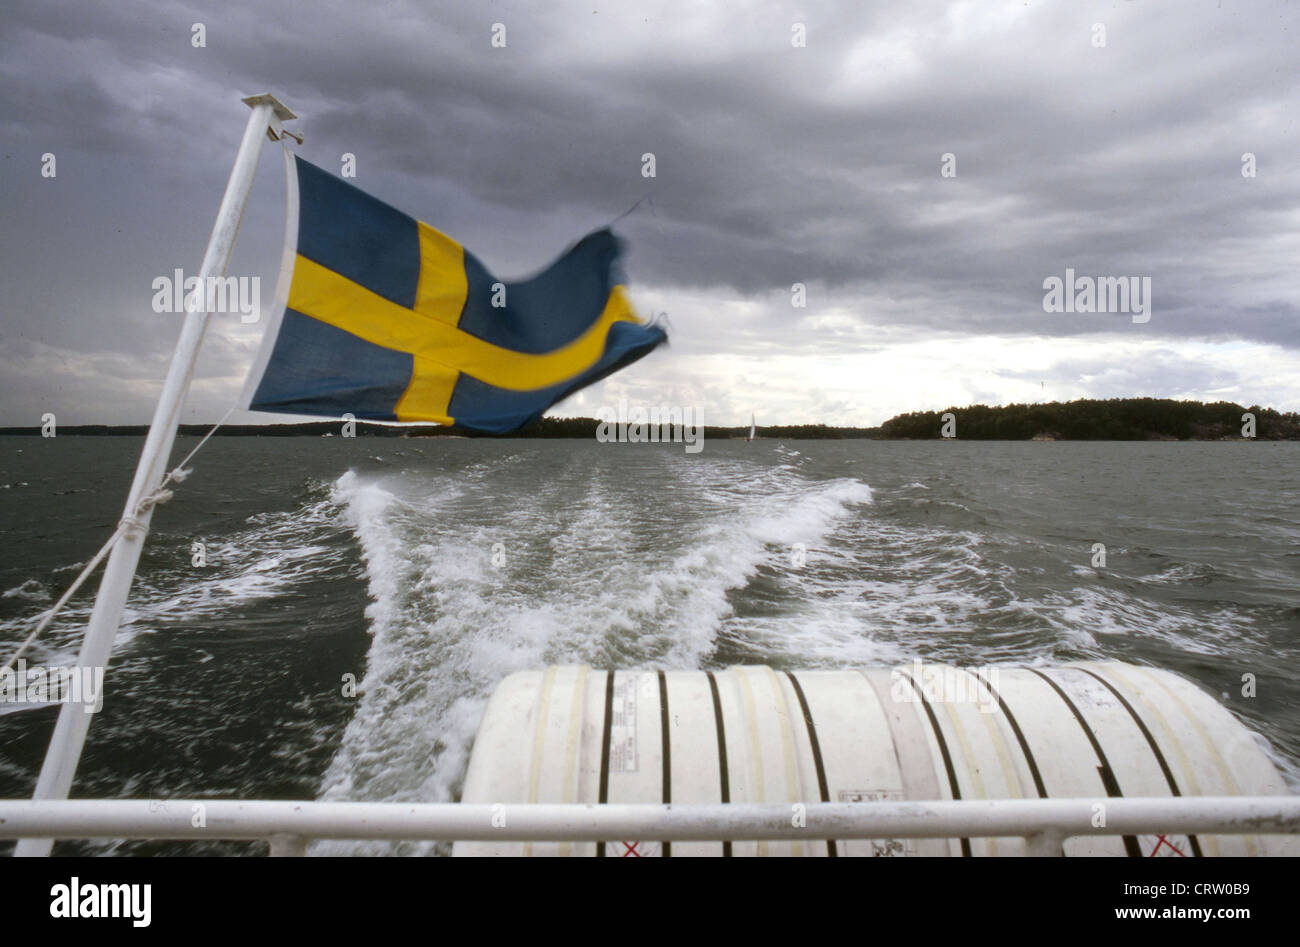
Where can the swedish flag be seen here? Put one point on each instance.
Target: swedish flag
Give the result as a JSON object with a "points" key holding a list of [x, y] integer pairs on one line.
{"points": [[387, 319]]}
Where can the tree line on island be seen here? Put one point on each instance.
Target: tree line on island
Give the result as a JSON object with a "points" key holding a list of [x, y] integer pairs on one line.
{"points": [[1114, 419]]}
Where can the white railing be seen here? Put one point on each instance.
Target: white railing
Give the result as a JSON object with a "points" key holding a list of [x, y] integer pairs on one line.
{"points": [[289, 826]]}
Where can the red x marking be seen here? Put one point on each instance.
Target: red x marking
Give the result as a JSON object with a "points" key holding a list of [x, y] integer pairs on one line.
{"points": [[629, 848], [1161, 840]]}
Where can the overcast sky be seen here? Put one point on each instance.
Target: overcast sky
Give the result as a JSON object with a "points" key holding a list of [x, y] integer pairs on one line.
{"points": [[775, 164]]}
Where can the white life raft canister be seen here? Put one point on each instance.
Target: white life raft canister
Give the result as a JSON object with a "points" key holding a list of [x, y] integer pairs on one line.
{"points": [[916, 732]]}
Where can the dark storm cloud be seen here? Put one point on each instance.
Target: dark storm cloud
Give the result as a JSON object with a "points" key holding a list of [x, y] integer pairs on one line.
{"points": [[775, 165]]}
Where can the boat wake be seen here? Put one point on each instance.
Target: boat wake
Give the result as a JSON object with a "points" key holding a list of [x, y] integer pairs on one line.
{"points": [[470, 582]]}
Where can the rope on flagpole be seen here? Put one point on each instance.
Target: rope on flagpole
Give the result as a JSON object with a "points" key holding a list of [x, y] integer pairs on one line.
{"points": [[628, 211], [157, 497], [648, 201]]}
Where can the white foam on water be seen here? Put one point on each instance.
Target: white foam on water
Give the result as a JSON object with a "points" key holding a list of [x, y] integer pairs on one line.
{"points": [[259, 562], [1101, 611], [921, 586], [761, 531], [408, 718], [31, 590], [591, 580], [1184, 573]]}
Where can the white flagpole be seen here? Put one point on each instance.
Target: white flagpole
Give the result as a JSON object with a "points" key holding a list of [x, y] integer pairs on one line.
{"points": [[70, 731]]}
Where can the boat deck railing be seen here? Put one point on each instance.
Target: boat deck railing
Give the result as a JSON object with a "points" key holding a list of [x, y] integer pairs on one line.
{"points": [[289, 827]]}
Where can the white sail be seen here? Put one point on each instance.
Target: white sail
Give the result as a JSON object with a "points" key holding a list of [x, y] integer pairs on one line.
{"points": [[751, 429]]}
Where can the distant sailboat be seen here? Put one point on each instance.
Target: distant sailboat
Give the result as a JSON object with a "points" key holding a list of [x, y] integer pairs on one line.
{"points": [[751, 429]]}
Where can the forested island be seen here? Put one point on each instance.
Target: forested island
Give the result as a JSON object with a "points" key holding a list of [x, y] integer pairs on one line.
{"points": [[1115, 419]]}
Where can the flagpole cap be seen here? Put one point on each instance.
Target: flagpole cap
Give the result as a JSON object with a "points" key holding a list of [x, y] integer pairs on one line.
{"points": [[278, 108]]}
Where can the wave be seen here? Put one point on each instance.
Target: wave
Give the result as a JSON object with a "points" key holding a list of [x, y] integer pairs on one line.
{"points": [[270, 555], [31, 590]]}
